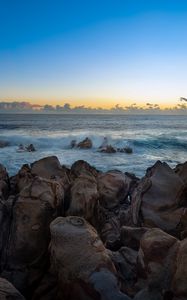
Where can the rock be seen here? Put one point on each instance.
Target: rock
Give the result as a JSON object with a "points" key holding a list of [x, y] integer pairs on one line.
{"points": [[126, 149], [81, 167], [4, 183], [108, 149], [125, 261], [24, 243], [50, 168], [181, 171], [179, 282], [81, 262], [83, 198], [73, 144], [157, 261], [4, 144], [159, 200], [131, 236], [113, 188], [8, 291], [85, 144]]}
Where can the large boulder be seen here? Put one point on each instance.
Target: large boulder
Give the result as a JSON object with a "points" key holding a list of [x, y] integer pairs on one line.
{"points": [[26, 218], [113, 188], [50, 168], [157, 264], [159, 200], [79, 259], [83, 198], [8, 291]]}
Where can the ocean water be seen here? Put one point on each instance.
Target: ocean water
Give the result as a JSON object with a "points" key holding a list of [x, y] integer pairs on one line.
{"points": [[151, 137]]}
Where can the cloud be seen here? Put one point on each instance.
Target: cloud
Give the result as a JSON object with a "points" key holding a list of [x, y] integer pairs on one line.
{"points": [[149, 108]]}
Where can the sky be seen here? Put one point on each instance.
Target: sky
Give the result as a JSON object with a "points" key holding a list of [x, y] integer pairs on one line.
{"points": [[96, 53]]}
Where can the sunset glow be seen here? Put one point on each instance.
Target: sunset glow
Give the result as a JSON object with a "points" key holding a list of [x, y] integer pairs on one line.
{"points": [[96, 54]]}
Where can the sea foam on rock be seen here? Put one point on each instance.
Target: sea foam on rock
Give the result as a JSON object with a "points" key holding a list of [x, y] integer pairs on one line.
{"points": [[79, 233]]}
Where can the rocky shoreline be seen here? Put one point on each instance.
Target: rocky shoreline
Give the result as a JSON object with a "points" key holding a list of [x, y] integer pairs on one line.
{"points": [[82, 234]]}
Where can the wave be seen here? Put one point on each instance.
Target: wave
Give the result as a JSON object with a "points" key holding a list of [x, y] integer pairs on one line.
{"points": [[63, 141]]}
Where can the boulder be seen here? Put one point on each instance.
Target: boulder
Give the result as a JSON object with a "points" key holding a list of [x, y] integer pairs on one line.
{"points": [[131, 236], [113, 188], [81, 167], [4, 144], [50, 168], [83, 198], [8, 291], [126, 149], [108, 149], [125, 261], [85, 144], [81, 262], [24, 243], [157, 262], [159, 200]]}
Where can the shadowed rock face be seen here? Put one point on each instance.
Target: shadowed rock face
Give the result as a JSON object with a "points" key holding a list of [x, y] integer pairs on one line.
{"points": [[81, 261], [25, 241], [146, 263], [8, 291], [83, 198], [162, 260], [85, 144], [4, 183], [113, 188], [160, 200]]}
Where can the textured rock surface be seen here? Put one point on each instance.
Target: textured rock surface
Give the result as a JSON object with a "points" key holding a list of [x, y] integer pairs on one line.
{"points": [[82, 234], [160, 200], [8, 291]]}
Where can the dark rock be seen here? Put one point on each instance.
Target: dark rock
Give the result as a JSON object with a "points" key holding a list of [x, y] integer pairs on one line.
{"points": [[81, 167], [8, 291], [85, 144], [159, 200], [81, 262], [26, 218]]}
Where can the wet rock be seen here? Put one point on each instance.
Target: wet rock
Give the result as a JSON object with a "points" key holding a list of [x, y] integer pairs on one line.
{"points": [[81, 262], [4, 144], [126, 149], [159, 200], [85, 144], [108, 149], [73, 144], [8, 291]]}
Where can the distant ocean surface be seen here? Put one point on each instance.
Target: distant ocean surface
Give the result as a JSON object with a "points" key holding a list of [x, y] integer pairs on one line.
{"points": [[151, 137]]}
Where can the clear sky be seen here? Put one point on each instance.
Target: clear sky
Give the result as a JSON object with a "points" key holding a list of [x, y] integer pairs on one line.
{"points": [[93, 52]]}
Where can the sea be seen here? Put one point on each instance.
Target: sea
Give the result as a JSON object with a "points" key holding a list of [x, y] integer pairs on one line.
{"points": [[152, 138]]}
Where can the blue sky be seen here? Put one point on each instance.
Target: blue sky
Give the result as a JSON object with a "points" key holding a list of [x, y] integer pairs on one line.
{"points": [[95, 53]]}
